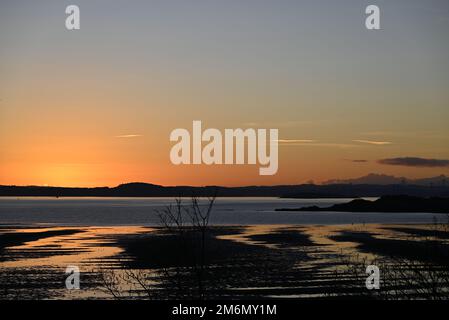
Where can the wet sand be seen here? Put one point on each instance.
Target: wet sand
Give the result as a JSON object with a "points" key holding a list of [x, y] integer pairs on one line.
{"points": [[276, 261]]}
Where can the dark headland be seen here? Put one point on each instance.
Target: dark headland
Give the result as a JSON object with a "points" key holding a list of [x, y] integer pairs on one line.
{"points": [[401, 203]]}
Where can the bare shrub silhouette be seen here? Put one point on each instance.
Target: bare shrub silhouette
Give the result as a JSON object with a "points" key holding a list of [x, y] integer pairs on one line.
{"points": [[128, 283], [188, 225], [420, 273]]}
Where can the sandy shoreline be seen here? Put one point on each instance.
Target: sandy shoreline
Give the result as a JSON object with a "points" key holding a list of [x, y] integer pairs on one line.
{"points": [[274, 261]]}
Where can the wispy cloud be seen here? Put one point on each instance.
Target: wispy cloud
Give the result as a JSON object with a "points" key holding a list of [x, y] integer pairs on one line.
{"points": [[129, 136], [313, 143], [377, 143], [357, 160], [281, 124], [415, 162], [385, 133], [295, 141]]}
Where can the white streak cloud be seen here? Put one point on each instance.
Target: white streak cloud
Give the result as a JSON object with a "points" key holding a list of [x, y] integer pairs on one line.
{"points": [[377, 143], [129, 136], [295, 141]]}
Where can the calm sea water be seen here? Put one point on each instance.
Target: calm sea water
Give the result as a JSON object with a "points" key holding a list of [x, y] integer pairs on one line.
{"points": [[143, 211]]}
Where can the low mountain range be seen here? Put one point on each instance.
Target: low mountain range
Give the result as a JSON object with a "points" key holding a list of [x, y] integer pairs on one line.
{"points": [[369, 186], [383, 179]]}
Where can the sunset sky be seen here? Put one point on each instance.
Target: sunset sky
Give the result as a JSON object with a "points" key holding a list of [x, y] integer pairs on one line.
{"points": [[95, 106]]}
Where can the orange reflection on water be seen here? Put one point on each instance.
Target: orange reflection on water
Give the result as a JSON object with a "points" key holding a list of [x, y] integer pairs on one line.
{"points": [[84, 247]]}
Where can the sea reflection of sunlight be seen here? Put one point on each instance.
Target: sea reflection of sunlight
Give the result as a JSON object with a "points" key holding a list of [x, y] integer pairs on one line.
{"points": [[84, 247]]}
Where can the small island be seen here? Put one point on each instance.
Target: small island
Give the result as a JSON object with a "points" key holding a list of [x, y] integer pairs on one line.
{"points": [[385, 204]]}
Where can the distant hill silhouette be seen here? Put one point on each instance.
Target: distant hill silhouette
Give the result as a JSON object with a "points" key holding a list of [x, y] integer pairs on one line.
{"points": [[286, 191], [383, 179], [386, 204]]}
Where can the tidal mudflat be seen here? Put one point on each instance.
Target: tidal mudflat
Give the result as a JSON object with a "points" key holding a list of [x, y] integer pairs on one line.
{"points": [[256, 261]]}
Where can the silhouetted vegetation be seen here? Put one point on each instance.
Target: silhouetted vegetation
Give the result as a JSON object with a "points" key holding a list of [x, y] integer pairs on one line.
{"points": [[178, 252], [416, 268]]}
